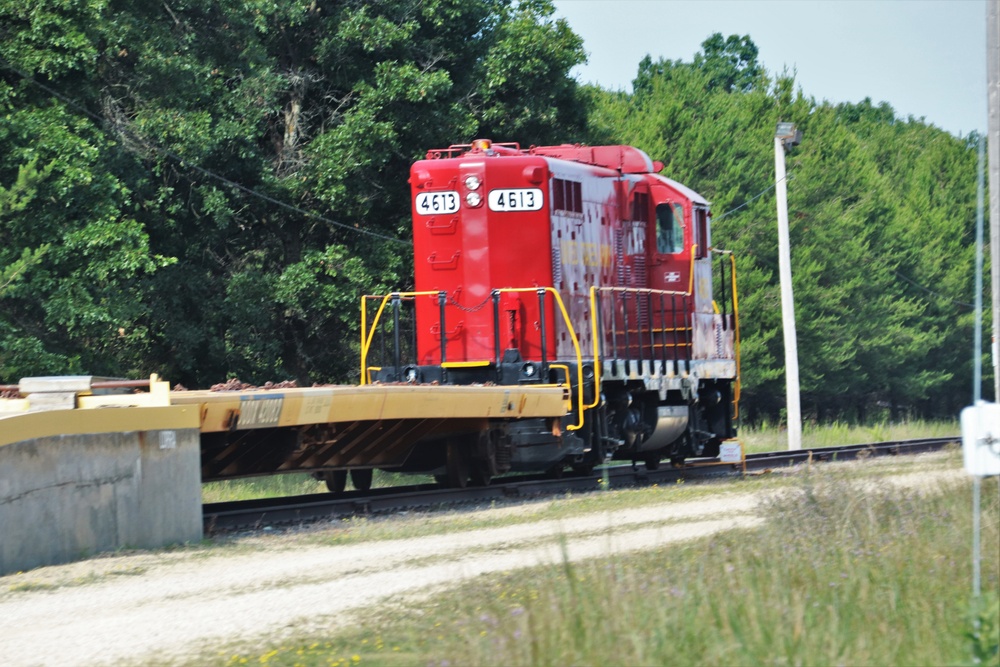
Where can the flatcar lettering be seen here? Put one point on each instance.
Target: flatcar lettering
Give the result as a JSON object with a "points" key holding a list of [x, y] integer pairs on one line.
{"points": [[256, 412]]}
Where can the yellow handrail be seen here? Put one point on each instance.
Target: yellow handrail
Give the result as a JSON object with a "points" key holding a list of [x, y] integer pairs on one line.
{"points": [[367, 335], [736, 330], [366, 341], [595, 337], [694, 249], [573, 337], [736, 339]]}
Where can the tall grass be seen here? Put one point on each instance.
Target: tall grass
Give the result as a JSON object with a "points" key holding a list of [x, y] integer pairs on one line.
{"points": [[295, 484], [271, 486], [839, 574], [770, 438]]}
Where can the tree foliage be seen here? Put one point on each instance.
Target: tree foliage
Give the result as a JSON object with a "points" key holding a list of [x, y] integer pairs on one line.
{"points": [[188, 138], [204, 189], [881, 214]]}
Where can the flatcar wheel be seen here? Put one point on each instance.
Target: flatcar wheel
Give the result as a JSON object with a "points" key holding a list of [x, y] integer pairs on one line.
{"points": [[336, 480], [361, 478], [652, 463], [457, 466]]}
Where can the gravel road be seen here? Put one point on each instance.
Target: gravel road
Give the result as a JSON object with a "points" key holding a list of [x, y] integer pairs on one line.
{"points": [[161, 607]]}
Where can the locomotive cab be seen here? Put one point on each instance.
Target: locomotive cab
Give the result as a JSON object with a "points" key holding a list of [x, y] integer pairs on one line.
{"points": [[569, 265]]}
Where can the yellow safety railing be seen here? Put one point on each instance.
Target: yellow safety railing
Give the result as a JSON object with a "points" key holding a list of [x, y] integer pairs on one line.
{"points": [[694, 249], [596, 335], [736, 334], [736, 328], [368, 333], [576, 346]]}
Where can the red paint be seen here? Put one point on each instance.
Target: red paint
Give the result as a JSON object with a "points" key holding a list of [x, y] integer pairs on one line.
{"points": [[596, 226]]}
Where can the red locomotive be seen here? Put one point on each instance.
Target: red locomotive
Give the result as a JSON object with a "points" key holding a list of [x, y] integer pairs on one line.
{"points": [[572, 265]]}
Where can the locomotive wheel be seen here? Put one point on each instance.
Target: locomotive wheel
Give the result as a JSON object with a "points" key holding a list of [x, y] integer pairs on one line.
{"points": [[457, 466], [481, 458], [336, 480], [361, 478], [480, 476]]}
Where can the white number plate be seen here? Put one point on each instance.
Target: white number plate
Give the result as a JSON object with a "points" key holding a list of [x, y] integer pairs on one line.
{"points": [[522, 199], [437, 203]]}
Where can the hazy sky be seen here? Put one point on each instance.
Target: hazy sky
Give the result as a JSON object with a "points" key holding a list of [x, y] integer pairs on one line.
{"points": [[927, 58]]}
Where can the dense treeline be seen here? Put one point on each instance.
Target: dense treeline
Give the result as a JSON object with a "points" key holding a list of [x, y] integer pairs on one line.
{"points": [[882, 219], [133, 133], [203, 189]]}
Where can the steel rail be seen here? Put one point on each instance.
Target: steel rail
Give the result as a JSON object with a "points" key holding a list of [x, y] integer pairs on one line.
{"points": [[292, 510]]}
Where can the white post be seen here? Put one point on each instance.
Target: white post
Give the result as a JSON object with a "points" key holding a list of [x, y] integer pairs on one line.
{"points": [[993, 138], [793, 410]]}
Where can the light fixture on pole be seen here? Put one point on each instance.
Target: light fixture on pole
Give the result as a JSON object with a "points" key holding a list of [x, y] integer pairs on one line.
{"points": [[786, 136]]}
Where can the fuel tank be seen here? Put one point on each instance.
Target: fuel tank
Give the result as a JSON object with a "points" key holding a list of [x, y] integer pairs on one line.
{"points": [[671, 422]]}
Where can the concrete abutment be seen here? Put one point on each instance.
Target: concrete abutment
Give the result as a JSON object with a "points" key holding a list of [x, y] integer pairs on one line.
{"points": [[90, 490]]}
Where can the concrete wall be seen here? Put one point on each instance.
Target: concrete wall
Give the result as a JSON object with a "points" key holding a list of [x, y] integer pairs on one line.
{"points": [[64, 497]]}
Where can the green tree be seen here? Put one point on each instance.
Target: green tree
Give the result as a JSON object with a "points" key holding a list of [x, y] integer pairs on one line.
{"points": [[208, 128], [881, 213]]}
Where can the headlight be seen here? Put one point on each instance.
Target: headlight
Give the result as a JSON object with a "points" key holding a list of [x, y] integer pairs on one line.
{"points": [[473, 199], [472, 182]]}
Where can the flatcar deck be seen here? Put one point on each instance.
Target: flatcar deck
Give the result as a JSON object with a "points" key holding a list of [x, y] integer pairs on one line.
{"points": [[227, 411], [224, 411]]}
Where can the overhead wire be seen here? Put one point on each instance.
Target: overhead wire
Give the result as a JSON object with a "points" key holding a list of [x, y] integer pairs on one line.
{"points": [[789, 177], [201, 170], [930, 291], [352, 228], [757, 196]]}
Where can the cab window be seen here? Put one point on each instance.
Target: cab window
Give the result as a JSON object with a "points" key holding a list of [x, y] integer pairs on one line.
{"points": [[669, 228]]}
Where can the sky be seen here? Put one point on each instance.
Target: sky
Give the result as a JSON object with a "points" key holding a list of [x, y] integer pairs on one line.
{"points": [[927, 58]]}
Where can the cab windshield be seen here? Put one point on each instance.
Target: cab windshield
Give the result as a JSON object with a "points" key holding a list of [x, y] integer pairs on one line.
{"points": [[669, 228]]}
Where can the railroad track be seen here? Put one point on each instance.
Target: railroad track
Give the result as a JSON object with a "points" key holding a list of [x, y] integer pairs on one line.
{"points": [[292, 510]]}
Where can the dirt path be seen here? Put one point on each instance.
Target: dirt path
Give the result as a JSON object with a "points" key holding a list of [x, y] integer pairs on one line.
{"points": [[166, 606]]}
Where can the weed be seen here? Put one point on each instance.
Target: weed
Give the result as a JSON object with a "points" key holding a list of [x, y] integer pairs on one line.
{"points": [[984, 629], [844, 571]]}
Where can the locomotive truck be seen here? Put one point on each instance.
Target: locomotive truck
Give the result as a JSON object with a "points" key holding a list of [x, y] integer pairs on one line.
{"points": [[572, 266]]}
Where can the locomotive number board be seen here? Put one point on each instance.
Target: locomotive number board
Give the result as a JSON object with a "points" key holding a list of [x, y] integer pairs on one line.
{"points": [[437, 203], [519, 199]]}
